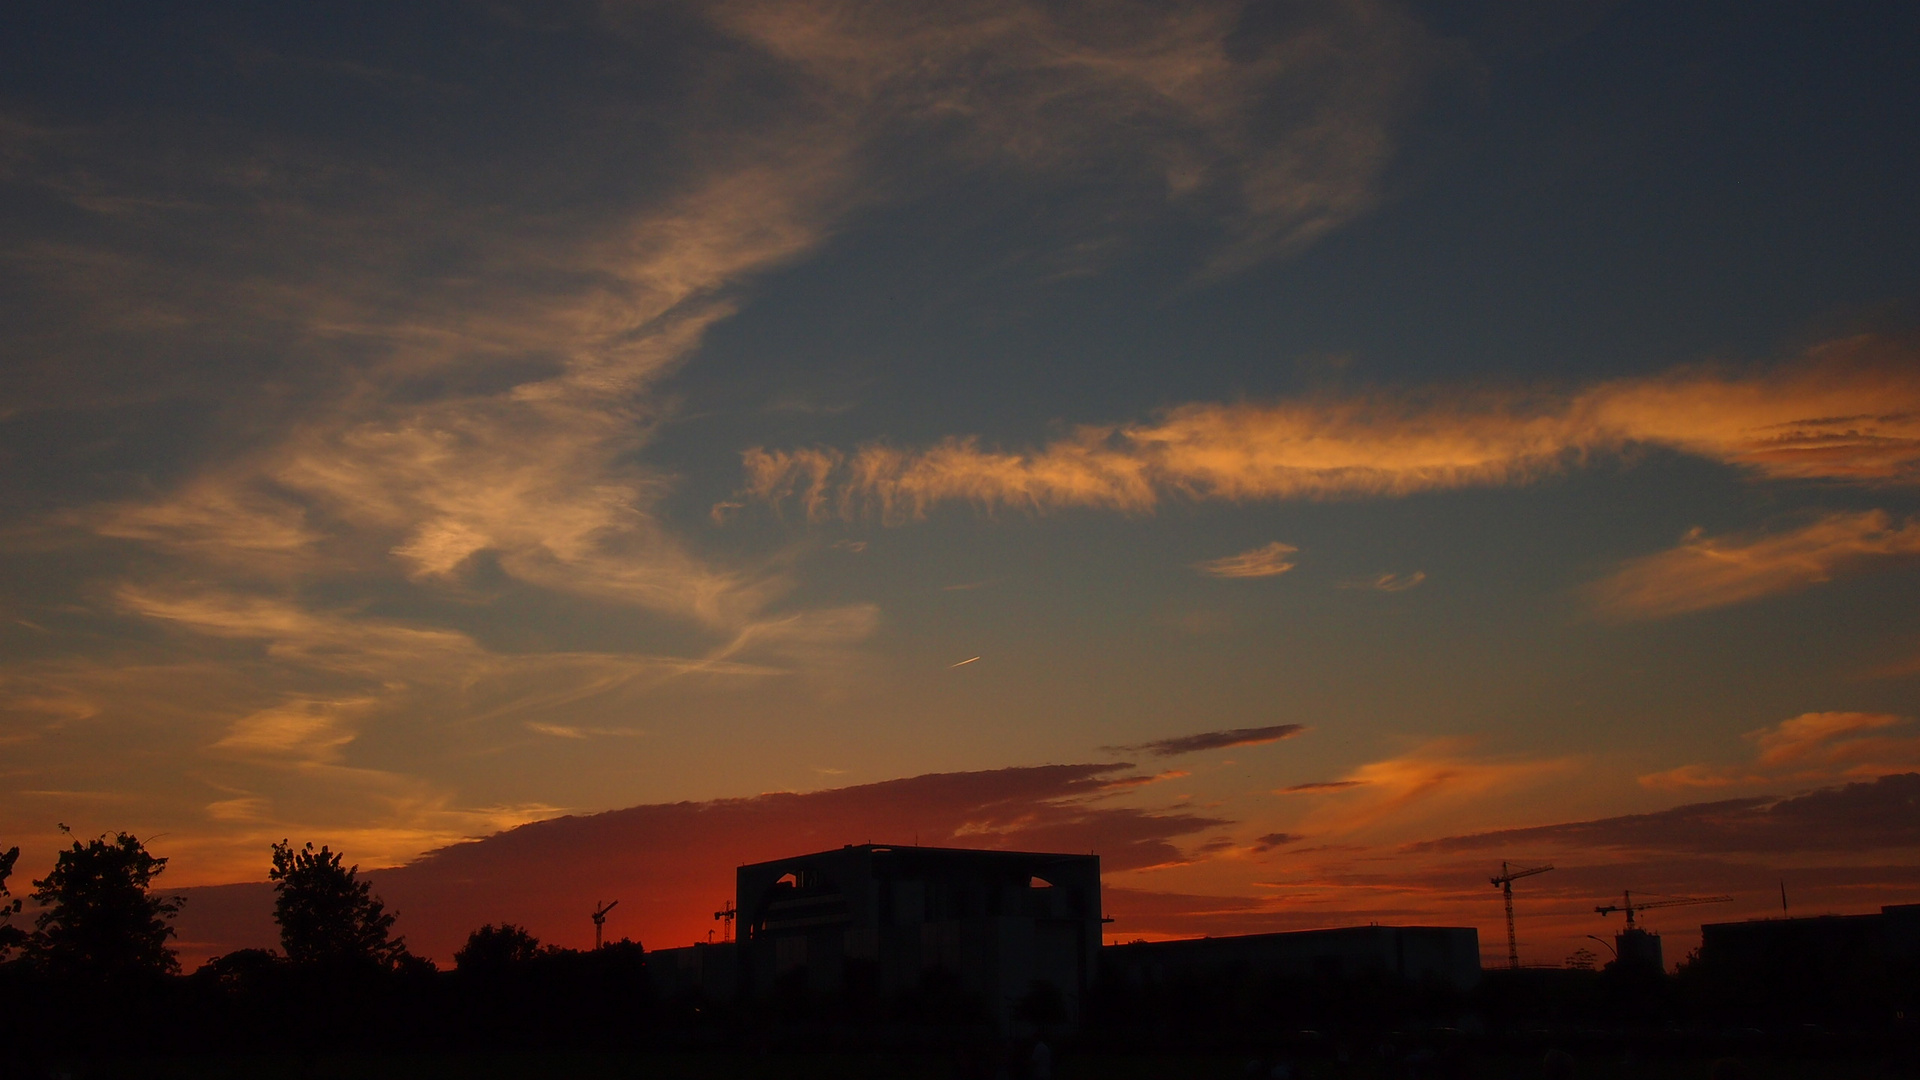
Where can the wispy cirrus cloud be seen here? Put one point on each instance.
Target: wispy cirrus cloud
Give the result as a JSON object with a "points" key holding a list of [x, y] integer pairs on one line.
{"points": [[1214, 740], [1819, 746], [1706, 572], [1847, 411], [1388, 582], [431, 373], [1268, 560], [1272, 131]]}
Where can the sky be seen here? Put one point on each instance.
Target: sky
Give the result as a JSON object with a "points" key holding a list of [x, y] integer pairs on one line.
{"points": [[1306, 453]]}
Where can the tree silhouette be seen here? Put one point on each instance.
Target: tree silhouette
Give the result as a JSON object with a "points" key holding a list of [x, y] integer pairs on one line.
{"points": [[100, 920], [327, 915], [497, 948], [11, 937]]}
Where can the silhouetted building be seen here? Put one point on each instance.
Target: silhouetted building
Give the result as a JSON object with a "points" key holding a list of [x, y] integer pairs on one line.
{"points": [[1819, 945], [881, 921], [708, 970], [1443, 955], [1833, 968], [1638, 950]]}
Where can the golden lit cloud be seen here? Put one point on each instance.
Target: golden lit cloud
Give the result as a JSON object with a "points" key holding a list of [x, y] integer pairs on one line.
{"points": [[495, 421], [1708, 572], [1418, 784], [1265, 561], [308, 730], [1848, 411], [1822, 746]]}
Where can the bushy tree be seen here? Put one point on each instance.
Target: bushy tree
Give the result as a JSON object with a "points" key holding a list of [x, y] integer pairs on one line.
{"points": [[100, 919], [11, 937], [240, 970], [497, 948], [326, 914]]}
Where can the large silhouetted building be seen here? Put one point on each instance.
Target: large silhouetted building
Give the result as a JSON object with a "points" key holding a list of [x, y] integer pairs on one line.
{"points": [[998, 924]]}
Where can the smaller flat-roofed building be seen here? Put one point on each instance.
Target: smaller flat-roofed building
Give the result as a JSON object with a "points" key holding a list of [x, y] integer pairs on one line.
{"points": [[1443, 955], [709, 970]]}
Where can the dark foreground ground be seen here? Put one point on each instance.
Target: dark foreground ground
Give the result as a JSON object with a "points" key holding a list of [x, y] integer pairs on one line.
{"points": [[1070, 1066]]}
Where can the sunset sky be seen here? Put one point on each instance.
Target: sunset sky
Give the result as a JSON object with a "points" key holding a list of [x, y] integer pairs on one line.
{"points": [[1307, 453]]}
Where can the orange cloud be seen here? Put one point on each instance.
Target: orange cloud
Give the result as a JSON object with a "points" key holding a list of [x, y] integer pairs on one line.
{"points": [[1266, 561], [1849, 411], [1438, 774], [1811, 746], [1708, 572]]}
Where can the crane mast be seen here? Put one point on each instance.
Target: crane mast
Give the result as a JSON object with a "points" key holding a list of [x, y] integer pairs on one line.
{"points": [[600, 921], [1505, 881]]}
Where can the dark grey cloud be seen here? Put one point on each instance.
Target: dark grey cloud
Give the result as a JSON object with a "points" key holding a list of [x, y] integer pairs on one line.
{"points": [[672, 863], [1213, 740], [1322, 785], [1869, 816]]}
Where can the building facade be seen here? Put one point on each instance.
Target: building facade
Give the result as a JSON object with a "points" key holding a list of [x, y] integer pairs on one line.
{"points": [[880, 920]]}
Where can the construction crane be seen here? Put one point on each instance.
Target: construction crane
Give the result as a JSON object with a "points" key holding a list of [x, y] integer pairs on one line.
{"points": [[600, 921], [1637, 948], [1505, 881], [726, 915], [1627, 905]]}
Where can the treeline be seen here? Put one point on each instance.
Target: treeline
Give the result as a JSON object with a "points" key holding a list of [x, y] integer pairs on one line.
{"points": [[101, 922], [92, 973]]}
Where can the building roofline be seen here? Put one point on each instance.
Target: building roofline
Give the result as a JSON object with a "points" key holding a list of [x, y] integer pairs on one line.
{"points": [[887, 848], [1275, 934]]}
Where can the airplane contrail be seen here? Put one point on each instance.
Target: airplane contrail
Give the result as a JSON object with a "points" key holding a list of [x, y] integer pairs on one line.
{"points": [[965, 662]]}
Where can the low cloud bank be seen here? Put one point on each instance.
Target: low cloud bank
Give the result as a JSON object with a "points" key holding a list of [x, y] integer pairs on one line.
{"points": [[671, 865], [1854, 818]]}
